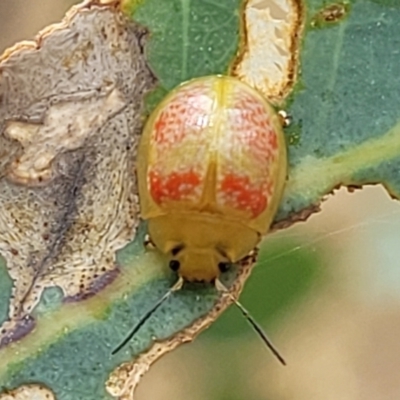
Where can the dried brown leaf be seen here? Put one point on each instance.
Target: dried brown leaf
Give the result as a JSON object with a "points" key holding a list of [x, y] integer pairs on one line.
{"points": [[70, 115]]}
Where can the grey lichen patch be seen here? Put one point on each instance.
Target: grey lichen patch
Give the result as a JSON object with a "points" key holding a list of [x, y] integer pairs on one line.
{"points": [[70, 115], [28, 392], [124, 380]]}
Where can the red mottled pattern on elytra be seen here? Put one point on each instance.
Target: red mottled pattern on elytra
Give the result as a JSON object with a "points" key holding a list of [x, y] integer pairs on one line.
{"points": [[244, 180], [192, 129], [179, 145], [241, 194], [252, 127], [186, 113], [176, 186]]}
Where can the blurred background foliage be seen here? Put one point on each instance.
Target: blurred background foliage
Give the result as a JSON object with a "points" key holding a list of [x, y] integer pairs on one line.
{"points": [[326, 291]]}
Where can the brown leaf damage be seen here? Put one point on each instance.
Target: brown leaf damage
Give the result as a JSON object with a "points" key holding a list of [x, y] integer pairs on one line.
{"points": [[269, 56], [29, 392], [70, 113]]}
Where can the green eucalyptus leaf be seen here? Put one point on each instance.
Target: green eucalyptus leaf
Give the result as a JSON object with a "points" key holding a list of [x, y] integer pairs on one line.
{"points": [[346, 115]]}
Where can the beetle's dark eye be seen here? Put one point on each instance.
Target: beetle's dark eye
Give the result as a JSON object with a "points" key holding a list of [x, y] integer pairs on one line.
{"points": [[174, 265], [223, 266]]}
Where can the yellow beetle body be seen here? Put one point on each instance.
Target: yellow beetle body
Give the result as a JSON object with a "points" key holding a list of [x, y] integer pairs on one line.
{"points": [[211, 171]]}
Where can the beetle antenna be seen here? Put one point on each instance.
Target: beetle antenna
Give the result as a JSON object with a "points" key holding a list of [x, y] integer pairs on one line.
{"points": [[178, 285], [221, 288]]}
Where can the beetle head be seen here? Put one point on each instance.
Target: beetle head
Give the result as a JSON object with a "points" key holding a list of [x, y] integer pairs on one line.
{"points": [[198, 265]]}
